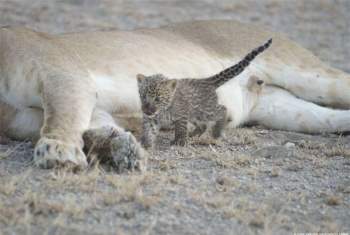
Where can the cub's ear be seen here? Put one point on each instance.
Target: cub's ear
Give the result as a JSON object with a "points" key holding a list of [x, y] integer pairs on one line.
{"points": [[140, 77]]}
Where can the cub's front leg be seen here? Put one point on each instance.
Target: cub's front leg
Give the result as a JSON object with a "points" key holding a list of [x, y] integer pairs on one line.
{"points": [[68, 102], [180, 132], [150, 131]]}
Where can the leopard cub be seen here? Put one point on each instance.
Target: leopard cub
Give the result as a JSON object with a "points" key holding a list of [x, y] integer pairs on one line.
{"points": [[181, 101]]}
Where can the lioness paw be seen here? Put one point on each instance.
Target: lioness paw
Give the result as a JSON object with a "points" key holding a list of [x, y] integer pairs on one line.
{"points": [[51, 153], [127, 153]]}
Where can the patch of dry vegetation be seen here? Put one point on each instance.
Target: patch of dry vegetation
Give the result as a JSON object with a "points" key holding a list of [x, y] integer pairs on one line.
{"points": [[9, 152], [227, 159], [263, 215], [72, 205], [243, 136], [5, 154], [63, 196], [9, 184], [325, 149], [8, 215], [129, 189], [68, 180]]}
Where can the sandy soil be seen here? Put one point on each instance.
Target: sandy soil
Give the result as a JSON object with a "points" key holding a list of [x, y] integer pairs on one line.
{"points": [[256, 182]]}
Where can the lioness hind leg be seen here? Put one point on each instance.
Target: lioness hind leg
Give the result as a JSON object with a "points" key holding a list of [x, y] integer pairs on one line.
{"points": [[112, 145], [319, 83], [127, 153], [68, 103], [97, 143]]}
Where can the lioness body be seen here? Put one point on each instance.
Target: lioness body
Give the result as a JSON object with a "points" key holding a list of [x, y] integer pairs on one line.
{"points": [[73, 82]]}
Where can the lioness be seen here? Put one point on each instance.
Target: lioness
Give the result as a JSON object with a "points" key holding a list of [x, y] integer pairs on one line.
{"points": [[64, 85]]}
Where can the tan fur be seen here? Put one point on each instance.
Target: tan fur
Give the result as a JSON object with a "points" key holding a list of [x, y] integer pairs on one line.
{"points": [[69, 76]]}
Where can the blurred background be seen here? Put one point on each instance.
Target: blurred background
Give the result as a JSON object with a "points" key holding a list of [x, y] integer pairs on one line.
{"points": [[319, 25]]}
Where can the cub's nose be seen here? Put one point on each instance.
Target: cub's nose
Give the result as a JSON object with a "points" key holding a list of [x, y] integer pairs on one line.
{"points": [[148, 109], [149, 112]]}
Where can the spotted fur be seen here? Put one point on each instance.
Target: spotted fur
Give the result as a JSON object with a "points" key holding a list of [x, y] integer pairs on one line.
{"points": [[179, 101]]}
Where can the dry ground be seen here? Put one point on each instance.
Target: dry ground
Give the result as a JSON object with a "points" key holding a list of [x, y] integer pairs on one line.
{"points": [[256, 181]]}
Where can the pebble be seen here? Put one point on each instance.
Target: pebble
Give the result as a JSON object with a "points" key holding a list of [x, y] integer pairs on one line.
{"points": [[289, 145]]}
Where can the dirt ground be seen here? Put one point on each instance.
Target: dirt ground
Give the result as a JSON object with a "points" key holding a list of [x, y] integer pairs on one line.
{"points": [[257, 181]]}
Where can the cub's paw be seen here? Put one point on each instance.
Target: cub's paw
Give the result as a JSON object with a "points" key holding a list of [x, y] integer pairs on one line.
{"points": [[148, 142], [51, 153], [179, 142], [127, 153]]}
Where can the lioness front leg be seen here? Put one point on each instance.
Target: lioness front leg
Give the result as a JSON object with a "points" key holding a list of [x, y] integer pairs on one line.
{"points": [[68, 102], [113, 145]]}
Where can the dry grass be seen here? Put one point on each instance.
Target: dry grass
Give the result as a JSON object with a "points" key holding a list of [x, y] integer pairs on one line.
{"points": [[227, 159], [8, 215], [9, 185], [243, 136], [83, 181], [8, 152], [129, 189], [71, 206], [326, 149]]}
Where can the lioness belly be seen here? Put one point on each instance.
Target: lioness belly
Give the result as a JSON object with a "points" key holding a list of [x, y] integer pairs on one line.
{"points": [[116, 78]]}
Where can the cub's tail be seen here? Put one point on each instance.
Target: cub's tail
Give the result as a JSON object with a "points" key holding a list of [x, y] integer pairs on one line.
{"points": [[231, 72]]}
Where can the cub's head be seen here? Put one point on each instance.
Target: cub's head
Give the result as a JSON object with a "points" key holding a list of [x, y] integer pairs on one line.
{"points": [[156, 92]]}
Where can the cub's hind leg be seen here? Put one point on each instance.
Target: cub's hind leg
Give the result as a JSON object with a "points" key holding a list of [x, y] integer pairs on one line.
{"points": [[200, 128], [221, 115], [68, 101], [112, 145]]}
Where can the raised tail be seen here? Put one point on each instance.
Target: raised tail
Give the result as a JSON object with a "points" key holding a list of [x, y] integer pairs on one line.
{"points": [[231, 72]]}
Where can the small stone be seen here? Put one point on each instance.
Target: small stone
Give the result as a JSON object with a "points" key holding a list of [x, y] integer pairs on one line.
{"points": [[289, 145], [275, 171], [333, 200], [295, 167], [220, 180], [164, 166], [128, 214], [257, 222]]}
